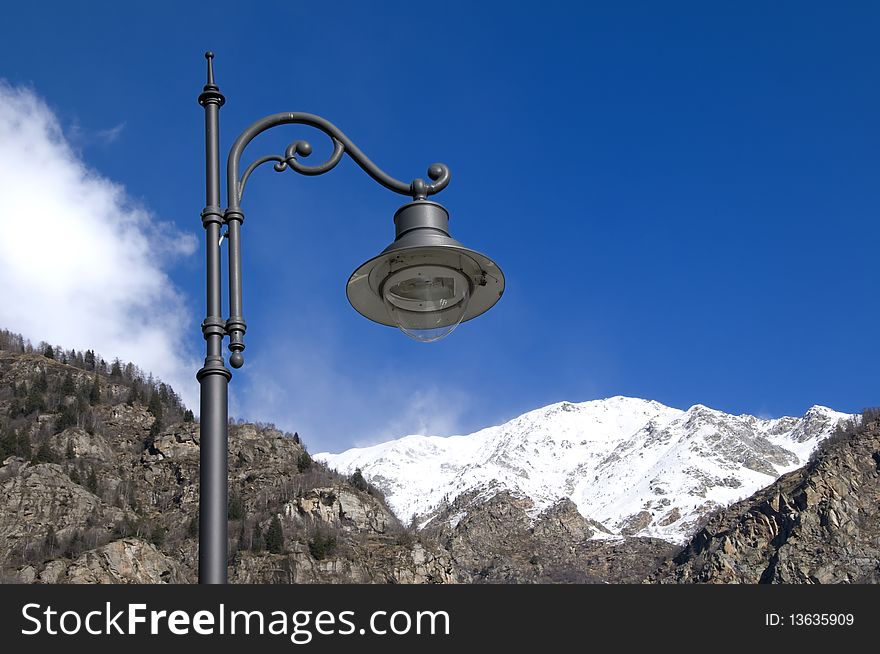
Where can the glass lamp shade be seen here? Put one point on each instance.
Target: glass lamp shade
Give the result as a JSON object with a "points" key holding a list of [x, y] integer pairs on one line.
{"points": [[426, 302]]}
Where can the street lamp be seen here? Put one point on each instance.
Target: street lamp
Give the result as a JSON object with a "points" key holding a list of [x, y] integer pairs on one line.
{"points": [[425, 282]]}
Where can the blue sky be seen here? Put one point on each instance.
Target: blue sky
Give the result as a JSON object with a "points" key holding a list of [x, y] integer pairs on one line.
{"points": [[684, 198]]}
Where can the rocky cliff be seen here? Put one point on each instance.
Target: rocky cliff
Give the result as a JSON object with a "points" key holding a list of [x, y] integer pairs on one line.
{"points": [[101, 486], [495, 540], [817, 525]]}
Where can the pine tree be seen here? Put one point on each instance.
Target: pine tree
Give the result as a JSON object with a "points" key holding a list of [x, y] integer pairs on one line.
{"points": [[49, 353], [134, 395], [275, 536], [188, 416], [157, 535], [74, 545], [235, 508], [258, 543], [95, 390], [68, 418], [89, 360], [304, 462], [45, 454], [68, 387], [192, 529], [358, 481], [155, 430], [35, 400], [42, 382], [322, 544], [116, 369], [155, 405]]}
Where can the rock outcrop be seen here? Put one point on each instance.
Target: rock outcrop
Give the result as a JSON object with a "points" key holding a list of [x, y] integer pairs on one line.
{"points": [[40, 502], [126, 561], [817, 525], [343, 508], [499, 540], [361, 563]]}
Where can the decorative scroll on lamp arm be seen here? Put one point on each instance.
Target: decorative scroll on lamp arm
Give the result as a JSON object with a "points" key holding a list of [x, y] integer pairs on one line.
{"points": [[418, 189]]}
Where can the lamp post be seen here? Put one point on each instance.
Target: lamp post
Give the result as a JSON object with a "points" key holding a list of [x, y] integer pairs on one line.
{"points": [[425, 282]]}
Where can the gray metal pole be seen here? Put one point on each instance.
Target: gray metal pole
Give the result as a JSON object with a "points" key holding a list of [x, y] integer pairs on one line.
{"points": [[213, 377]]}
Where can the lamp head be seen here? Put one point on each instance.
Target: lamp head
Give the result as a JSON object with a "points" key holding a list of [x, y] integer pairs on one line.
{"points": [[425, 282]]}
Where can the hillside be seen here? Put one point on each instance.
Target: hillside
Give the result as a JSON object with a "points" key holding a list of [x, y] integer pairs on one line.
{"points": [[99, 483], [817, 525]]}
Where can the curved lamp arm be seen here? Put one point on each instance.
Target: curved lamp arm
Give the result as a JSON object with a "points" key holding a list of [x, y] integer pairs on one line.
{"points": [[236, 181], [418, 188]]}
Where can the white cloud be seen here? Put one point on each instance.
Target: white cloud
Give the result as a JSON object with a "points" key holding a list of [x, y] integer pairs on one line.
{"points": [[307, 386], [82, 265], [109, 135]]}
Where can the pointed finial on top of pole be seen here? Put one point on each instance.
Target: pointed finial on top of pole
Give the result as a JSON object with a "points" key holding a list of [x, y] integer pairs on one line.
{"points": [[211, 91], [210, 57]]}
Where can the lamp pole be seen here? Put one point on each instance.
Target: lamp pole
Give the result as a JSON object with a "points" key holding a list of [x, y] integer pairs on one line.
{"points": [[214, 376], [425, 282]]}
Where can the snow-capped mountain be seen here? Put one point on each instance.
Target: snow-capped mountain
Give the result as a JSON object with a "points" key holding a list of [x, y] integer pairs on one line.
{"points": [[635, 466]]}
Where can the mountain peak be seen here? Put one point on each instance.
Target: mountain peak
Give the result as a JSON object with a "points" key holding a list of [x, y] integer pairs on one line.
{"points": [[636, 466], [819, 411]]}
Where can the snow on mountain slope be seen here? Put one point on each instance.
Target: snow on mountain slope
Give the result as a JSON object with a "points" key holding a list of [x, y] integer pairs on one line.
{"points": [[636, 466]]}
